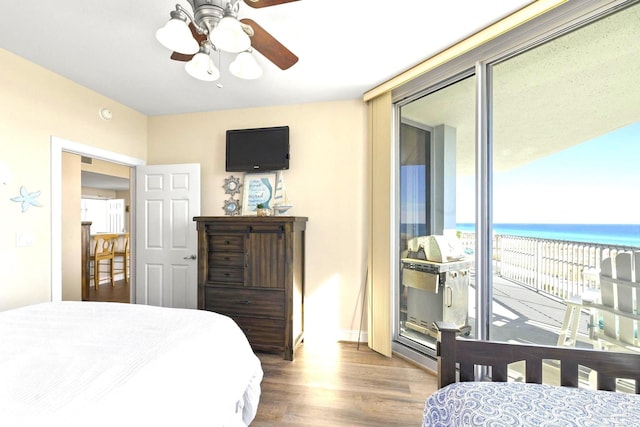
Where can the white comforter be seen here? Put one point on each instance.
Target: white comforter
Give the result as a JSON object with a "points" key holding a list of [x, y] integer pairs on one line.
{"points": [[110, 364]]}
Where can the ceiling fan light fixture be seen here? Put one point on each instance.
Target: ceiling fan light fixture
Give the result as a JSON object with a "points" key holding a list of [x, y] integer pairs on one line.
{"points": [[245, 66], [214, 25], [176, 35], [201, 67], [228, 35]]}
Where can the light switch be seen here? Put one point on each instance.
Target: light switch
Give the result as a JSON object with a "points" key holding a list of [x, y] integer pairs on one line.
{"points": [[24, 240]]}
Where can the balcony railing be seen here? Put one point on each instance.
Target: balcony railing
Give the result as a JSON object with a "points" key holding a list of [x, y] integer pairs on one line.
{"points": [[557, 268]]}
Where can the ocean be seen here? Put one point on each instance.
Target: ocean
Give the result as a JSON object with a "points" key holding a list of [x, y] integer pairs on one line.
{"points": [[613, 234]]}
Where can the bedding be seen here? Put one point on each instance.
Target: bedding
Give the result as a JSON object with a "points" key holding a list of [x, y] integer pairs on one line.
{"points": [[527, 404], [112, 364]]}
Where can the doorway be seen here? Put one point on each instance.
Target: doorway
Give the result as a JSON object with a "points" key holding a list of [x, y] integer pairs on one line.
{"points": [[105, 209], [58, 147]]}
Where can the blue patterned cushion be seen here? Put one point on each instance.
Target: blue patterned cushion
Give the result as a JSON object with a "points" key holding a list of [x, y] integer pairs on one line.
{"points": [[520, 404]]}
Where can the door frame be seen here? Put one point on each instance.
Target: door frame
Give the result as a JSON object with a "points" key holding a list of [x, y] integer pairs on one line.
{"points": [[58, 146]]}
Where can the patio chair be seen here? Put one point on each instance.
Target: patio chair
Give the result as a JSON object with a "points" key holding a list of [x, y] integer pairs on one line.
{"points": [[617, 312]]}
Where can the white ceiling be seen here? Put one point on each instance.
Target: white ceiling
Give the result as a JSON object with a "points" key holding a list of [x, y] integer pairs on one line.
{"points": [[346, 47], [103, 182], [567, 91]]}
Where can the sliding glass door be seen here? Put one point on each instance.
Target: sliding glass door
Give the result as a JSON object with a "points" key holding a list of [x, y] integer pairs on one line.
{"points": [[518, 178], [566, 145], [435, 188]]}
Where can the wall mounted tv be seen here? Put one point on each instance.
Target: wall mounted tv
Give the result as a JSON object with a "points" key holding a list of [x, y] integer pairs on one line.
{"points": [[252, 150]]}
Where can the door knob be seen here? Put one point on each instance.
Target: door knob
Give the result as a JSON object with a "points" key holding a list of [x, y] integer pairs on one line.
{"points": [[190, 257]]}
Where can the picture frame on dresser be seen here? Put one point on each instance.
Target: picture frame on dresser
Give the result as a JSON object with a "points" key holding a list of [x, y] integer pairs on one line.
{"points": [[258, 188]]}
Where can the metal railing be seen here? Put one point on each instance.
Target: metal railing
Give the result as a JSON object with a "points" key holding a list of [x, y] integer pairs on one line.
{"points": [[557, 268]]}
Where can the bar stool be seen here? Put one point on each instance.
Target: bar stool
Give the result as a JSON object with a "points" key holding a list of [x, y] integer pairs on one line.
{"points": [[122, 251], [103, 250]]}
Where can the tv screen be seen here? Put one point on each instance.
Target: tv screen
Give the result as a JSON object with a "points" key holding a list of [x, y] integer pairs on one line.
{"points": [[252, 150]]}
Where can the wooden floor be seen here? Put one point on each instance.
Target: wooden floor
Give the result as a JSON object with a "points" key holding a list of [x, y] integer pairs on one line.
{"points": [[118, 293], [330, 385], [337, 385]]}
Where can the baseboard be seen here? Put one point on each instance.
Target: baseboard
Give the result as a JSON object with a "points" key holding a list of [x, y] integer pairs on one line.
{"points": [[352, 336]]}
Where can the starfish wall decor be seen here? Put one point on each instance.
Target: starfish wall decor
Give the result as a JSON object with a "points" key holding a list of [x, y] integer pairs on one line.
{"points": [[27, 199]]}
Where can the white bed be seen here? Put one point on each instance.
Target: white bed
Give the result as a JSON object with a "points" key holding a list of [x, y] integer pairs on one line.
{"points": [[111, 364]]}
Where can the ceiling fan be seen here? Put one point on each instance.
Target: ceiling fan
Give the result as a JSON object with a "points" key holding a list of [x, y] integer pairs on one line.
{"points": [[214, 26]]}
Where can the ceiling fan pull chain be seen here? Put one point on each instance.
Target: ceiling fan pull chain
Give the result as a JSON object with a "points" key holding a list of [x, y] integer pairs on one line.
{"points": [[219, 84]]}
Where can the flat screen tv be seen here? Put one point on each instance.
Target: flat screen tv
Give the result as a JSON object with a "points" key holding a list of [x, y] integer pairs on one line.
{"points": [[252, 150]]}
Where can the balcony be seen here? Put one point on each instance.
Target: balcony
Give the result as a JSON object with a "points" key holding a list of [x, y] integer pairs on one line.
{"points": [[535, 282]]}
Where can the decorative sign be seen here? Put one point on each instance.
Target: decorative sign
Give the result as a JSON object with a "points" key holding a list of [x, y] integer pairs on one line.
{"points": [[257, 188]]}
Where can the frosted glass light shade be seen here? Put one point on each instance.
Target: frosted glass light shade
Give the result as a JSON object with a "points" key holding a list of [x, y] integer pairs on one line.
{"points": [[245, 67], [229, 36], [176, 36], [201, 67]]}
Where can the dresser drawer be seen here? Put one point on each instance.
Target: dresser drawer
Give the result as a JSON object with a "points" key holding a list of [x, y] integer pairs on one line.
{"points": [[226, 227], [245, 302], [226, 275], [226, 242], [263, 334], [226, 259]]}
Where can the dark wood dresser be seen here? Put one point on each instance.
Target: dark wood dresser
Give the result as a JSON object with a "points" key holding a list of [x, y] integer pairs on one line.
{"points": [[252, 270]]}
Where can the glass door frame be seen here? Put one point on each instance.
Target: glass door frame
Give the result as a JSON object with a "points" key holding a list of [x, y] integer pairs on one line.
{"points": [[562, 20], [396, 292], [400, 344]]}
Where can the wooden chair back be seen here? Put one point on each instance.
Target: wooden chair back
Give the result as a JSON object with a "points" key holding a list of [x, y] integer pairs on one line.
{"points": [[468, 354], [103, 249], [104, 246]]}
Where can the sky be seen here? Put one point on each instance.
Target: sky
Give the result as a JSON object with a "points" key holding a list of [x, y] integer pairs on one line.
{"points": [[596, 182]]}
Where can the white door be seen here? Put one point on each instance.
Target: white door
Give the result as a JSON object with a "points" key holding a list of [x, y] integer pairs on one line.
{"points": [[167, 199]]}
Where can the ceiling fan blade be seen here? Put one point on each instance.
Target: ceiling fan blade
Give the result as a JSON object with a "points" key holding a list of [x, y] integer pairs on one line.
{"points": [[177, 56], [196, 35], [265, 3], [271, 48], [200, 38]]}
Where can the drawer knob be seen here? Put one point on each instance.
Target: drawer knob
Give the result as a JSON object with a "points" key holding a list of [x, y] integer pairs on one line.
{"points": [[245, 302], [227, 242]]}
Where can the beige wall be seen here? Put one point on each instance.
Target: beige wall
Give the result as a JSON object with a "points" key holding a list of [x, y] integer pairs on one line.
{"points": [[106, 168], [36, 104], [71, 233], [326, 182]]}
